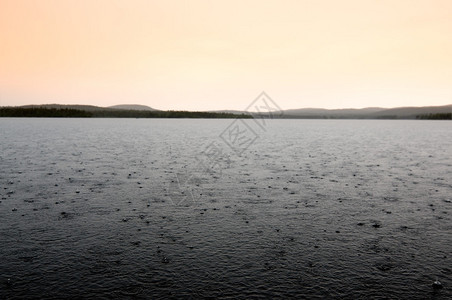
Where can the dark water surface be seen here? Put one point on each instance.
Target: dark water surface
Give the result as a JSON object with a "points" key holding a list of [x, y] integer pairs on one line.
{"points": [[122, 208]]}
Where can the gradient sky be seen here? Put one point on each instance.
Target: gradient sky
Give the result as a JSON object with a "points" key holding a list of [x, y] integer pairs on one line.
{"points": [[206, 55]]}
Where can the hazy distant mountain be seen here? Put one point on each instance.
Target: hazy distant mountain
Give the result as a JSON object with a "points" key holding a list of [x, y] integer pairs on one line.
{"points": [[338, 113], [303, 113], [320, 112], [71, 106], [94, 108], [132, 107], [412, 112], [366, 113]]}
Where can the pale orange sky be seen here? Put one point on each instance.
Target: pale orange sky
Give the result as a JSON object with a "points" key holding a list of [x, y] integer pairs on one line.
{"points": [[206, 55]]}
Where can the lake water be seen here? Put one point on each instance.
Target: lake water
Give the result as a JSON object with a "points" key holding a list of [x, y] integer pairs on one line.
{"points": [[166, 208]]}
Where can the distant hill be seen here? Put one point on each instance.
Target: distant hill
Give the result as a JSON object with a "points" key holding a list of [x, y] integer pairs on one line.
{"points": [[143, 111], [412, 112], [311, 113], [89, 111], [92, 107], [366, 113], [132, 107], [336, 113], [67, 106]]}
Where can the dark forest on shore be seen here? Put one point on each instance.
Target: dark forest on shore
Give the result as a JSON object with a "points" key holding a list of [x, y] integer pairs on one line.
{"points": [[71, 112], [42, 112], [440, 116]]}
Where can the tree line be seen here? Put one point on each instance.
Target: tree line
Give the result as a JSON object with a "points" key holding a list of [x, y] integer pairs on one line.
{"points": [[438, 116], [42, 112]]}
